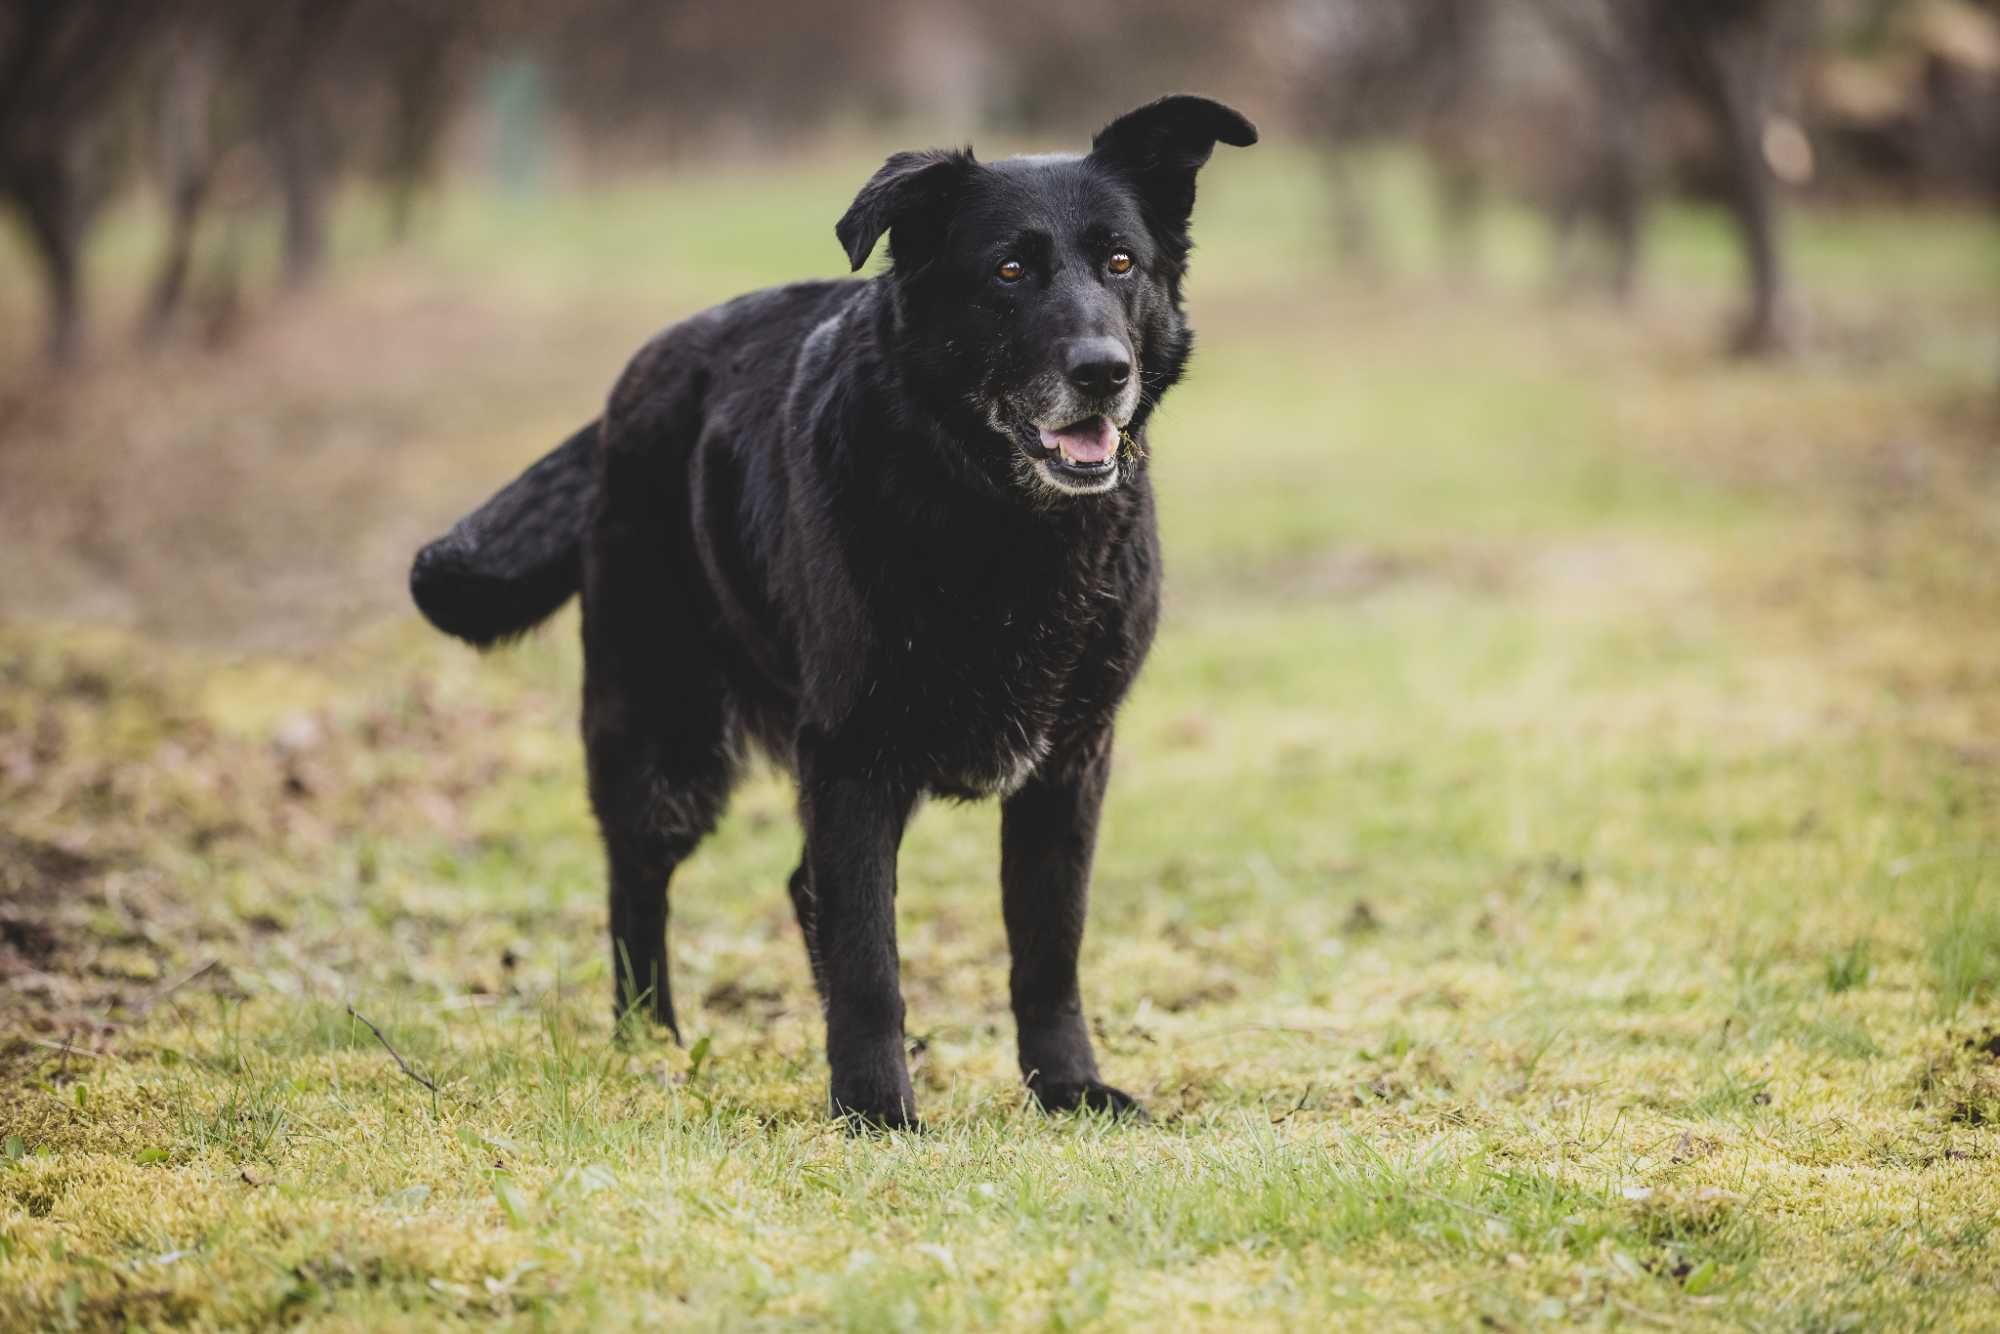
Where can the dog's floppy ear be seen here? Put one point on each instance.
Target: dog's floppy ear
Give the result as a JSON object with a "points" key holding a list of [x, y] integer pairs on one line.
{"points": [[1163, 144], [909, 198]]}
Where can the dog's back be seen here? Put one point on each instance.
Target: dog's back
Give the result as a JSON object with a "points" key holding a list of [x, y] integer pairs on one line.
{"points": [[514, 561]]}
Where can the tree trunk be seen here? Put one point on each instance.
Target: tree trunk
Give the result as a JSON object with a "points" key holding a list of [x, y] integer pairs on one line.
{"points": [[187, 162], [421, 93], [301, 174], [170, 280], [1606, 193], [1455, 32], [1623, 189], [63, 269], [49, 202], [1753, 202], [300, 138], [1736, 93]]}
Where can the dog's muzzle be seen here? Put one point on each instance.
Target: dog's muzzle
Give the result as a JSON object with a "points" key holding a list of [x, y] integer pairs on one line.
{"points": [[1078, 420]]}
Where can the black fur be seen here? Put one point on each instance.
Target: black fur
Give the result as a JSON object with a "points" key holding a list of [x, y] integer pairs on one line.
{"points": [[508, 565], [862, 526]]}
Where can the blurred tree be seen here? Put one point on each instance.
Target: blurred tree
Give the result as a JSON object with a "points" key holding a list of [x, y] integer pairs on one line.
{"points": [[421, 48], [295, 50], [1730, 56], [1600, 186], [185, 151], [65, 66], [249, 104], [1415, 69], [1057, 67], [1728, 59], [650, 78], [307, 82]]}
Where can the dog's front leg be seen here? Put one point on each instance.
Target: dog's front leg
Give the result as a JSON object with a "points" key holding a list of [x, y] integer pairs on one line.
{"points": [[1048, 833], [854, 825]]}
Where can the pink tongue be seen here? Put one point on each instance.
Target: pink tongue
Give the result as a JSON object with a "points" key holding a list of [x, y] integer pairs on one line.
{"points": [[1086, 442]]}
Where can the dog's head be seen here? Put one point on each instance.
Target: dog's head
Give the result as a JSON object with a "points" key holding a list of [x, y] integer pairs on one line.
{"points": [[1038, 299]]}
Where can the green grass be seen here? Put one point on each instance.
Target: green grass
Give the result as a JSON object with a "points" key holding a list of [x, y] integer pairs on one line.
{"points": [[1964, 941], [1549, 877]]}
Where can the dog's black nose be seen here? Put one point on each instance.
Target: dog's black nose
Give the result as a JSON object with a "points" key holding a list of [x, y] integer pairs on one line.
{"points": [[1097, 365]]}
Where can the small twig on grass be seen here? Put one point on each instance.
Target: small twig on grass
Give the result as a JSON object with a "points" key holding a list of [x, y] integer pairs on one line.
{"points": [[391, 1049], [1299, 1107], [66, 1048], [145, 1007]]}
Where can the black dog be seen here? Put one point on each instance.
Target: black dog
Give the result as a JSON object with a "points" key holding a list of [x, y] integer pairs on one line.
{"points": [[897, 533]]}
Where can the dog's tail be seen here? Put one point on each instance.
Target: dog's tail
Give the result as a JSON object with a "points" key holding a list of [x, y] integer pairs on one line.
{"points": [[510, 564]]}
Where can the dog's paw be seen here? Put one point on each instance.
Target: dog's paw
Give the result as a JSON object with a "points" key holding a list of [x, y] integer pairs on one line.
{"points": [[870, 1124], [1087, 1095], [874, 1105], [876, 1120]]}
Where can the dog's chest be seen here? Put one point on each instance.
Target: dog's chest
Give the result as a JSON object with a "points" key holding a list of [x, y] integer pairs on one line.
{"points": [[982, 681]]}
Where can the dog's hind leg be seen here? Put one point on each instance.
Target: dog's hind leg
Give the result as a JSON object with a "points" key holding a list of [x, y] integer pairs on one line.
{"points": [[653, 808], [657, 737], [805, 906], [658, 731]]}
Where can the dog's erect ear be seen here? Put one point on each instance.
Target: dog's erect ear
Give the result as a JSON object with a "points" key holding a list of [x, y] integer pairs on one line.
{"points": [[1163, 144], [909, 198]]}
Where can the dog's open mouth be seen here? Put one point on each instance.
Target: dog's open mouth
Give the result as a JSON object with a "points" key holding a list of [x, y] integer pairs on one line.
{"points": [[1084, 451]]}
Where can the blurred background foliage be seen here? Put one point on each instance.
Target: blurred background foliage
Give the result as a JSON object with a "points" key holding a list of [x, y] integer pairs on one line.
{"points": [[237, 123]]}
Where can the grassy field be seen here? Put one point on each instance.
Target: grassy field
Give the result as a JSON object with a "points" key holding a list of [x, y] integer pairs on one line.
{"points": [[1552, 875]]}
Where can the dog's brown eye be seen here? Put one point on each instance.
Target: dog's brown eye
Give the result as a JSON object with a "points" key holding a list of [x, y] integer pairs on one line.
{"points": [[1120, 261], [1011, 271]]}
